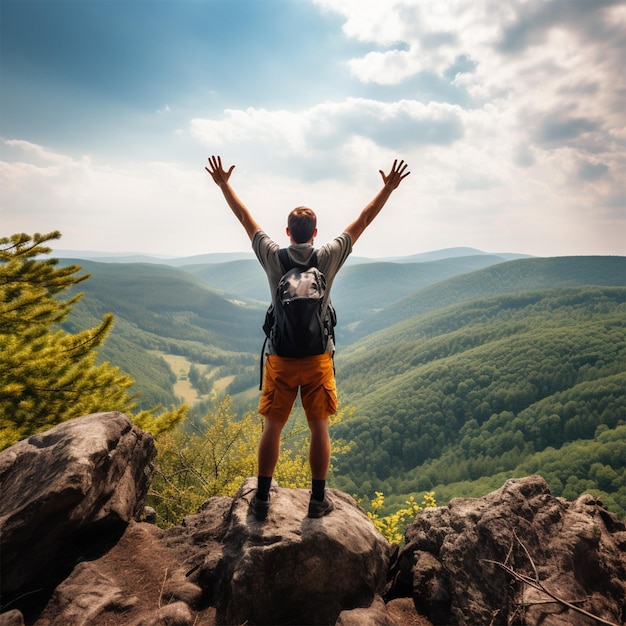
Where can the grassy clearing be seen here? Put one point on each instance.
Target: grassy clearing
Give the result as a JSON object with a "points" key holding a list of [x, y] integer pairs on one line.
{"points": [[182, 387]]}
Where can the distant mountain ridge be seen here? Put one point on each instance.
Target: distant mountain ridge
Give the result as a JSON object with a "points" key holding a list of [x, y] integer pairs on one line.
{"points": [[137, 257], [450, 253], [226, 257], [508, 277]]}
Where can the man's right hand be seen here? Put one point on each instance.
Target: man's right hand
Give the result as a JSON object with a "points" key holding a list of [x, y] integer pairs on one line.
{"points": [[396, 175]]}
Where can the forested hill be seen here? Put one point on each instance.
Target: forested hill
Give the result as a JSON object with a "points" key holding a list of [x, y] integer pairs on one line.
{"points": [[171, 303], [363, 289], [159, 311], [210, 314], [509, 277], [203, 312], [461, 371], [481, 388]]}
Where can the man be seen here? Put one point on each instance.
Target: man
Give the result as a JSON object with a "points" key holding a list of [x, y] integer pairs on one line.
{"points": [[313, 375]]}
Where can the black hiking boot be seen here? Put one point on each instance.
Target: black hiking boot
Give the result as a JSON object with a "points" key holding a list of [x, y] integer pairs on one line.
{"points": [[319, 508], [259, 507]]}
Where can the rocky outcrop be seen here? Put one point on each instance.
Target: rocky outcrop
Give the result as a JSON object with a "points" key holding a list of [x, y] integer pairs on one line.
{"points": [[65, 494], [497, 559], [74, 553], [288, 569]]}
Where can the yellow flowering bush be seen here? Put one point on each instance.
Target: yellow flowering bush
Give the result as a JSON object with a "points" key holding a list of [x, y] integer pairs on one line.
{"points": [[393, 526], [212, 456]]}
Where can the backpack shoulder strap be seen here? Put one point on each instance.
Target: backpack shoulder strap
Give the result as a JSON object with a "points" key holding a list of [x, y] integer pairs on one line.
{"points": [[285, 259]]}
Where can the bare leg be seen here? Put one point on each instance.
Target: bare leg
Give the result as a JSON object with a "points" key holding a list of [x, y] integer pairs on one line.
{"points": [[319, 458], [319, 450], [269, 448]]}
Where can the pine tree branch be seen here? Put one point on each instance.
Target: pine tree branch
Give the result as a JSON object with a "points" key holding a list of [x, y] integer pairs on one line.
{"points": [[94, 337]]}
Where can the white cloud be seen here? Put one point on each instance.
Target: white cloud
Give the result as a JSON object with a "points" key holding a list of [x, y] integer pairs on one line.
{"points": [[530, 54], [298, 140], [381, 22], [115, 207], [388, 68], [543, 128], [38, 151]]}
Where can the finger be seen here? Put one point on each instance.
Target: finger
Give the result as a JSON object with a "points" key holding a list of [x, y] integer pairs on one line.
{"points": [[402, 167]]}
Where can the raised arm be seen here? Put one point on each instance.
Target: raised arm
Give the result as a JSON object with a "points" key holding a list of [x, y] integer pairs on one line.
{"points": [[390, 182], [221, 176]]}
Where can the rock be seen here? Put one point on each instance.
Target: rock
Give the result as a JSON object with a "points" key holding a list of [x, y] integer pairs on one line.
{"points": [[221, 563], [402, 610], [452, 561], [133, 583], [148, 515], [67, 493], [86, 595], [374, 615], [177, 614], [12, 618], [289, 568]]}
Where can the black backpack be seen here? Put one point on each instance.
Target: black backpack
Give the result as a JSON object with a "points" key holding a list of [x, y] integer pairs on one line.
{"points": [[295, 324]]}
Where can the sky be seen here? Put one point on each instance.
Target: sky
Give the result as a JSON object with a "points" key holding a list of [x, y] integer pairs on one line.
{"points": [[511, 116]]}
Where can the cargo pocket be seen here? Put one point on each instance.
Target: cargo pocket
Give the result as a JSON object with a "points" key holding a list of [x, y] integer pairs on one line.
{"points": [[330, 389], [266, 401]]}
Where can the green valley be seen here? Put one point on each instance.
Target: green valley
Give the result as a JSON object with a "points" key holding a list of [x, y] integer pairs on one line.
{"points": [[167, 319], [462, 371]]}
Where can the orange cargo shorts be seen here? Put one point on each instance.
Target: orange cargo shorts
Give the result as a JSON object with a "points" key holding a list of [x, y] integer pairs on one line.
{"points": [[313, 376]]}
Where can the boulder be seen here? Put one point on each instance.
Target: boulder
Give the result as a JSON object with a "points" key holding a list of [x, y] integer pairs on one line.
{"points": [[464, 563], [374, 615], [12, 618], [221, 564], [67, 493], [288, 569], [72, 551]]}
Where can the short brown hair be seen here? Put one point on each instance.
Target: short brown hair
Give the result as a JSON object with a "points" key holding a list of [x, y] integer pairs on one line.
{"points": [[301, 223]]}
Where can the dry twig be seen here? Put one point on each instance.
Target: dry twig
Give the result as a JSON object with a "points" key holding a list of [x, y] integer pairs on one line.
{"points": [[162, 587], [535, 583]]}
